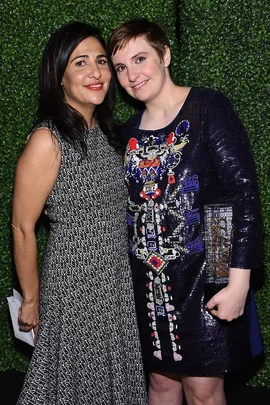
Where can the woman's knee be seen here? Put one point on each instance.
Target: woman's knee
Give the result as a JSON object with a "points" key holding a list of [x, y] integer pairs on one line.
{"points": [[204, 390], [163, 382]]}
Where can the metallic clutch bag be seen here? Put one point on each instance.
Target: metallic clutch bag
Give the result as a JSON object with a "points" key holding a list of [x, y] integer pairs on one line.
{"points": [[217, 237]]}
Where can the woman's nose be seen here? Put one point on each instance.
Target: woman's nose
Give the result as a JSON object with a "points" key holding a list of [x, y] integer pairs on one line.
{"points": [[94, 71], [132, 74]]}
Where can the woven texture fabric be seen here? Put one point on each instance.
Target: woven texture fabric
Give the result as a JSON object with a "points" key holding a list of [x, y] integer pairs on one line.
{"points": [[88, 349]]}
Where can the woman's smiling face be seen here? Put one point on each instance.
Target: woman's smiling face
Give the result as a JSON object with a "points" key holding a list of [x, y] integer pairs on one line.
{"points": [[87, 76], [140, 70]]}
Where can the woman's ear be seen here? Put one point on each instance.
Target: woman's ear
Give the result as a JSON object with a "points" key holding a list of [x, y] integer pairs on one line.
{"points": [[167, 56]]}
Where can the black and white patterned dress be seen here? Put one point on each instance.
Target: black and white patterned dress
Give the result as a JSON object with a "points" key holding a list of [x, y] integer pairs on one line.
{"points": [[88, 350]]}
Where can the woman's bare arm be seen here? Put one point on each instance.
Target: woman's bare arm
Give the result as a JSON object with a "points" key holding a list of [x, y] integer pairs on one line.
{"points": [[35, 176]]}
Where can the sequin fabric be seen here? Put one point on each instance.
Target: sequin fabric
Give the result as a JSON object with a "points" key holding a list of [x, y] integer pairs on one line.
{"points": [[203, 157], [88, 349]]}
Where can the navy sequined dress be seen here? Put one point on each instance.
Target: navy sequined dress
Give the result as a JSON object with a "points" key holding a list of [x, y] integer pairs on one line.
{"points": [[202, 157]]}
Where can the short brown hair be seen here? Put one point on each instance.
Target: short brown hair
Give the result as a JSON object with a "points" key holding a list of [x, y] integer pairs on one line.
{"points": [[139, 27]]}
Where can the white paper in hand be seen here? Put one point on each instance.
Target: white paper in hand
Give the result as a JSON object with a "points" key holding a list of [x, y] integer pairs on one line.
{"points": [[14, 304]]}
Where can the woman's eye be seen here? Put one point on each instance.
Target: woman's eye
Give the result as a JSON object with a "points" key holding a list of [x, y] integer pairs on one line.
{"points": [[120, 68], [140, 59], [80, 63], [102, 61]]}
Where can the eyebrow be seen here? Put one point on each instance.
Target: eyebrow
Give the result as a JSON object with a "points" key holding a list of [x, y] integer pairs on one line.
{"points": [[87, 57], [132, 57]]}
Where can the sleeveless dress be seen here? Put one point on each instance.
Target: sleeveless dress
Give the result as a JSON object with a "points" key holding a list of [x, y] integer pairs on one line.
{"points": [[200, 163], [88, 350]]}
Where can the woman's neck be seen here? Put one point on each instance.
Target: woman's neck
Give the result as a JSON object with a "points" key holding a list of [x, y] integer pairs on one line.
{"points": [[159, 114]]}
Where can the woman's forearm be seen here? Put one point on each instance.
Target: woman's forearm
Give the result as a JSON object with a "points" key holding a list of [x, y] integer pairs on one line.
{"points": [[25, 257]]}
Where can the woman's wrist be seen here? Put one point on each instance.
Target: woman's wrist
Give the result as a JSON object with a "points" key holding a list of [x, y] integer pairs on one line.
{"points": [[239, 278]]}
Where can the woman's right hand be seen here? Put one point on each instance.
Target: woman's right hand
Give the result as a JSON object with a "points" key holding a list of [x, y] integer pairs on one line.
{"points": [[29, 317]]}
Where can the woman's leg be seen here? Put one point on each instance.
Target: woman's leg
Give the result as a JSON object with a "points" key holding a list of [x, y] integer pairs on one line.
{"points": [[165, 389], [204, 390]]}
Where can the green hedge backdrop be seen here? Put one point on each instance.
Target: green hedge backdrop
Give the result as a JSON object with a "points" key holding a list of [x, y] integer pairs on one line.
{"points": [[215, 43]]}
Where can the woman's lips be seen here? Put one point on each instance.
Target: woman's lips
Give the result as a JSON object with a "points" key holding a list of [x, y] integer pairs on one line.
{"points": [[139, 86], [94, 87]]}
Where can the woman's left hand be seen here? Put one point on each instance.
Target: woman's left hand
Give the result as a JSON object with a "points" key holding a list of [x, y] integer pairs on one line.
{"points": [[229, 303]]}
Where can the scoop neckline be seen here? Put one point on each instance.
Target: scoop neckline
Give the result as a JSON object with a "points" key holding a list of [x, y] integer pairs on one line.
{"points": [[170, 123]]}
